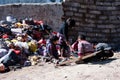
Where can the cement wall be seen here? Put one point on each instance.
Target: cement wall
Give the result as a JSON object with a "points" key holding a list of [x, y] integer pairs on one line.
{"points": [[49, 13]]}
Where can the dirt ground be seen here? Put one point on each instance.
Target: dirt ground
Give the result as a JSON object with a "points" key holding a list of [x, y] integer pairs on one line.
{"points": [[101, 70]]}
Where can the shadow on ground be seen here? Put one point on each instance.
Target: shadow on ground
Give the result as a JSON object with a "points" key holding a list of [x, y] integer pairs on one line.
{"points": [[104, 61]]}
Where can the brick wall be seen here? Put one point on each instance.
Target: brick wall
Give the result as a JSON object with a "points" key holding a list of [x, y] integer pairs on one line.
{"points": [[49, 13], [99, 20]]}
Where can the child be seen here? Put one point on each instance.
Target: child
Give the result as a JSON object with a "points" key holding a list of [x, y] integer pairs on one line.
{"points": [[84, 47], [42, 47], [51, 48]]}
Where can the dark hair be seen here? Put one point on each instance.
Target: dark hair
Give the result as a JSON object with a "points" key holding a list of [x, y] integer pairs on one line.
{"points": [[70, 22], [82, 37], [54, 38]]}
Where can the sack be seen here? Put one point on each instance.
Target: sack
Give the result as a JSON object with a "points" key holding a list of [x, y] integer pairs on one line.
{"points": [[103, 46], [106, 50], [32, 46]]}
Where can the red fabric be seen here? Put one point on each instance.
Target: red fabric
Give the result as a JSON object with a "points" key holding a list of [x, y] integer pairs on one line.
{"points": [[55, 33], [38, 22], [17, 52], [5, 36], [75, 46], [42, 41], [41, 22], [57, 47]]}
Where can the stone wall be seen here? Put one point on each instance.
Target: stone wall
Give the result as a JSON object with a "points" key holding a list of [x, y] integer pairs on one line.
{"points": [[99, 20], [49, 13]]}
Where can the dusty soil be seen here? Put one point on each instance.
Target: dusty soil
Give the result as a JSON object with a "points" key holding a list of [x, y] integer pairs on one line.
{"points": [[101, 70]]}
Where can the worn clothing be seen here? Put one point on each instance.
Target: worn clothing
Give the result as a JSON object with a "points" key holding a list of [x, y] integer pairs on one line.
{"points": [[10, 59], [52, 50], [84, 47], [106, 50], [103, 46], [75, 46], [63, 46], [3, 52], [64, 30]]}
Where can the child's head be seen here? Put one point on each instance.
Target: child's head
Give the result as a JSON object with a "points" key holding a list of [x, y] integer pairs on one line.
{"points": [[70, 22], [54, 39], [81, 37]]}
